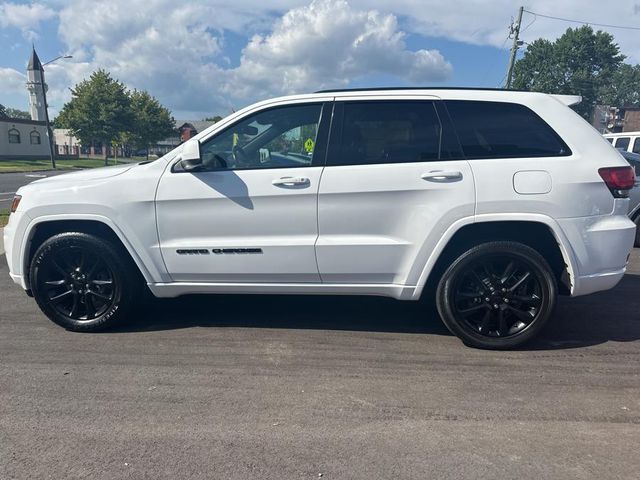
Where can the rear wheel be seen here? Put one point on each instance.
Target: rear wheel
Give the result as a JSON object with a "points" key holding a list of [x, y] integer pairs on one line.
{"points": [[82, 282], [497, 295]]}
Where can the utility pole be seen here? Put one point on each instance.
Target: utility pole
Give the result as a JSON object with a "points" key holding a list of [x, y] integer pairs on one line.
{"points": [[515, 31]]}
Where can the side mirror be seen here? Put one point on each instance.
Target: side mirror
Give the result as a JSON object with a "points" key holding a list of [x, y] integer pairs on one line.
{"points": [[191, 158]]}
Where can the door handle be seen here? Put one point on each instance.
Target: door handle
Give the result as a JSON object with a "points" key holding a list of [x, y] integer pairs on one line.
{"points": [[291, 181], [442, 176]]}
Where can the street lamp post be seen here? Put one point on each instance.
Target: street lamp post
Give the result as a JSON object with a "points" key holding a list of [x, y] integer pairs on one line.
{"points": [[46, 110]]}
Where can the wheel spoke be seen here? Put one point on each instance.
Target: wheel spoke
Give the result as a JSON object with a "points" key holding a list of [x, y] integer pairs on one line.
{"points": [[101, 296], [532, 299], [481, 283], [486, 321], [88, 303], [467, 295], [93, 269], [56, 283], [502, 324], [101, 282], [508, 272], [76, 304], [526, 315], [58, 298], [58, 267], [475, 308], [519, 282]]}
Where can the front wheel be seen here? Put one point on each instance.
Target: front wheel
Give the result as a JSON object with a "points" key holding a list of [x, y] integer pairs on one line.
{"points": [[497, 295], [82, 282]]}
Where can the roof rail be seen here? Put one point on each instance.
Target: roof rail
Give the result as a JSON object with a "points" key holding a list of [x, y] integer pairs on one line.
{"points": [[369, 89]]}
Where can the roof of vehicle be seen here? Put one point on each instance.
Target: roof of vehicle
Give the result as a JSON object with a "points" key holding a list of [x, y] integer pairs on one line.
{"points": [[620, 134], [447, 92]]}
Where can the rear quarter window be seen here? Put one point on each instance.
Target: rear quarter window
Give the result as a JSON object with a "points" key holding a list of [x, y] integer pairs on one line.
{"points": [[503, 130]]}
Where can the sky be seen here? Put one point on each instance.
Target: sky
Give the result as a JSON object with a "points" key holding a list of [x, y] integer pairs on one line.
{"points": [[208, 57]]}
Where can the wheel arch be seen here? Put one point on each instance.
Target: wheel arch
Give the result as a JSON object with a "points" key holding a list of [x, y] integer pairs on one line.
{"points": [[537, 231], [39, 230]]}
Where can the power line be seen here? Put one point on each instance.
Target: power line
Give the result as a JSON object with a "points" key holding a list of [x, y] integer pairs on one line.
{"points": [[623, 27]]}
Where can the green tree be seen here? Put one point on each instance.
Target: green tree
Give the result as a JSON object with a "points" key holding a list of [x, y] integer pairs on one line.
{"points": [[580, 62], [151, 121], [99, 110], [3, 111], [17, 113], [624, 90]]}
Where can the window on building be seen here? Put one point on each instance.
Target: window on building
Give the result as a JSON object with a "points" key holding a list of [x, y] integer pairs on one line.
{"points": [[387, 132], [35, 138], [503, 130], [622, 142], [14, 136]]}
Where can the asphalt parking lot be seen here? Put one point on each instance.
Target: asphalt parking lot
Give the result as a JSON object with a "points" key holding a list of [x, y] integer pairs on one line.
{"points": [[237, 387]]}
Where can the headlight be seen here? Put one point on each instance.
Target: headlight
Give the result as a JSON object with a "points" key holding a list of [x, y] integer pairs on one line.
{"points": [[15, 203]]}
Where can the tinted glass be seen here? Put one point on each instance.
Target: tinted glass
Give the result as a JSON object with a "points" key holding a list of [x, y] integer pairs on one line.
{"points": [[636, 145], [275, 138], [387, 132], [609, 139], [622, 142], [503, 130]]}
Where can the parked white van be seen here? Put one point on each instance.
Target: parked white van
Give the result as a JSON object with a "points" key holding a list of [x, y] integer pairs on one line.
{"points": [[627, 141]]}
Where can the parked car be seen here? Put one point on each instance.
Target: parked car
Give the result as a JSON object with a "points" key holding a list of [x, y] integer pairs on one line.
{"points": [[627, 141], [634, 194], [489, 202]]}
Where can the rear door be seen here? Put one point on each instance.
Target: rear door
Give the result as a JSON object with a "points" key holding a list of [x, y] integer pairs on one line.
{"points": [[389, 190]]}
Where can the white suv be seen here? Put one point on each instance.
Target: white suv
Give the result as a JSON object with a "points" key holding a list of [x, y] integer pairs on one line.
{"points": [[493, 202]]}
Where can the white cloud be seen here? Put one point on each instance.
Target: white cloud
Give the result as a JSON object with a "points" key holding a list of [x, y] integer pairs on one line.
{"points": [[329, 43], [13, 82], [176, 50], [25, 17]]}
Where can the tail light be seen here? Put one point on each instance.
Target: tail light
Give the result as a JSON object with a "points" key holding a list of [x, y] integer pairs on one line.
{"points": [[619, 180]]}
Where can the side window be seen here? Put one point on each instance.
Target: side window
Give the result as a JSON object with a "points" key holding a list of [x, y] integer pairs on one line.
{"points": [[609, 139], [280, 137], [387, 132], [636, 145], [622, 142], [14, 136], [503, 130]]}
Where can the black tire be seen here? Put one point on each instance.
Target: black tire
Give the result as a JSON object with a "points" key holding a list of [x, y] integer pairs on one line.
{"points": [[497, 295], [82, 282]]}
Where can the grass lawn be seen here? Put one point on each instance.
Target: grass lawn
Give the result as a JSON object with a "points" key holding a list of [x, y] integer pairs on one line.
{"points": [[4, 217], [45, 164]]}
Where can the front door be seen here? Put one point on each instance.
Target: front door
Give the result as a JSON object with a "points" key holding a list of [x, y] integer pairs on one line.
{"points": [[250, 213]]}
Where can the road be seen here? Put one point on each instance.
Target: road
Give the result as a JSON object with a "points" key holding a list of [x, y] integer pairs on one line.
{"points": [[11, 182], [298, 387]]}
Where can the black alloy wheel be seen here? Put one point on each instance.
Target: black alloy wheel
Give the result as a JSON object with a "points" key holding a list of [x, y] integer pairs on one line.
{"points": [[82, 282], [497, 295], [78, 283]]}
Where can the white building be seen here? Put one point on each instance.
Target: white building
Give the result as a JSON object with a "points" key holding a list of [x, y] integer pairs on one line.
{"points": [[27, 139]]}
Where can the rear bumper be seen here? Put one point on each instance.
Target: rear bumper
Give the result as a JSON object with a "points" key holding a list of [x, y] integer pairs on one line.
{"points": [[600, 247]]}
